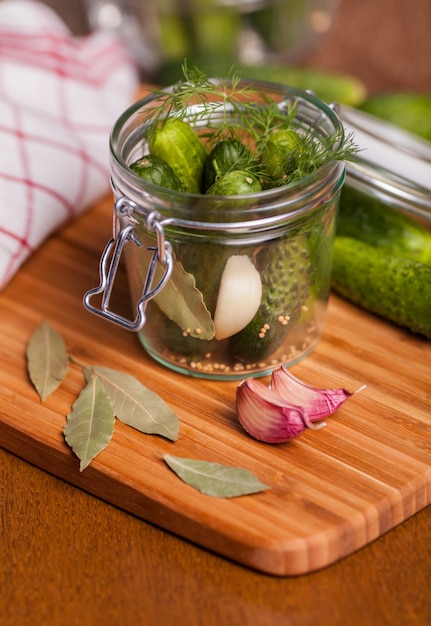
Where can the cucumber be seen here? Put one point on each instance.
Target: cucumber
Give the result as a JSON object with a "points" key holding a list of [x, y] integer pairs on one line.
{"points": [[393, 287], [208, 31], [411, 111], [278, 155], [375, 223], [155, 170], [226, 156], [176, 142], [215, 28], [286, 271], [173, 35], [235, 183]]}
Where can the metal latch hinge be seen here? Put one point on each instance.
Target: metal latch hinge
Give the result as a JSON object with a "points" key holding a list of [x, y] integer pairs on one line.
{"points": [[109, 262]]}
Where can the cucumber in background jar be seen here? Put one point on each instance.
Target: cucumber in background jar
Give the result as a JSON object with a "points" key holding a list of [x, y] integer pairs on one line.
{"points": [[198, 29], [382, 261], [411, 111], [378, 224]]}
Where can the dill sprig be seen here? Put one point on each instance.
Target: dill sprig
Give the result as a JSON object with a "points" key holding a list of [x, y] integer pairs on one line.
{"points": [[198, 99], [228, 108], [309, 155]]}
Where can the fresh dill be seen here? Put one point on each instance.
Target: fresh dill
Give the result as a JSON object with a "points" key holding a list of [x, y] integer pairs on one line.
{"points": [[235, 109]]}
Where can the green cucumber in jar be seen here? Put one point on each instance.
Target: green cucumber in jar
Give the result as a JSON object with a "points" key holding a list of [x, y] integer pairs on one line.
{"points": [[393, 287], [155, 170], [235, 183], [279, 155], [375, 223], [227, 155], [286, 272], [176, 142]]}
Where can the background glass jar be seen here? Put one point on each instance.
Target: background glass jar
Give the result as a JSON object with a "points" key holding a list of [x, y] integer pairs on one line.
{"points": [[284, 236], [213, 33], [394, 165]]}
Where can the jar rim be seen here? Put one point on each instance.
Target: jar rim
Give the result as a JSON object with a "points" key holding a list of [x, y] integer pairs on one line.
{"points": [[393, 164], [253, 217]]}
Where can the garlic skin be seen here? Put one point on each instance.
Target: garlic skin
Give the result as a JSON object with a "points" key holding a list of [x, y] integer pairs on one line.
{"points": [[315, 403], [266, 416], [239, 296], [282, 411]]}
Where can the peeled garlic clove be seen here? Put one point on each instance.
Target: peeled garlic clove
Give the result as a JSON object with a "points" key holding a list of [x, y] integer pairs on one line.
{"points": [[315, 403], [239, 296], [265, 415]]}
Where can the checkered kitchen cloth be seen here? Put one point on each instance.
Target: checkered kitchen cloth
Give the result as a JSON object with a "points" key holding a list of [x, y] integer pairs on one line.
{"points": [[59, 97]]}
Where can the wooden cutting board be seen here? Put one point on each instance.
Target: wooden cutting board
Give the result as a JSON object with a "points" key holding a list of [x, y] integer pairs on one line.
{"points": [[332, 491]]}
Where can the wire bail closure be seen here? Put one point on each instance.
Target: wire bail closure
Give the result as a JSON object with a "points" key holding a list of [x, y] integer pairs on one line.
{"points": [[110, 259]]}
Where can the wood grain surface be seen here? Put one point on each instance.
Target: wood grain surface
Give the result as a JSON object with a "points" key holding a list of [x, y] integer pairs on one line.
{"points": [[68, 558], [331, 491]]}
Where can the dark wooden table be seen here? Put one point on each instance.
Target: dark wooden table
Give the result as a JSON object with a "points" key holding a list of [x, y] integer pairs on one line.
{"points": [[69, 558]]}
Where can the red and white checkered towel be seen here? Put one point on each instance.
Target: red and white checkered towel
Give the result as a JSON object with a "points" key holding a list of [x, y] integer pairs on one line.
{"points": [[59, 97]]}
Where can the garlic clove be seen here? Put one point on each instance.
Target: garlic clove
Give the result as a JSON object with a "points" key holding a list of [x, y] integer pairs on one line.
{"points": [[316, 403], [239, 296], [287, 407], [266, 416]]}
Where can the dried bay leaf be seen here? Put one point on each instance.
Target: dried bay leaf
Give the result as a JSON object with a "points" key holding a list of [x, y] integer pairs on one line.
{"points": [[213, 479], [137, 406], [47, 360], [183, 303], [90, 425]]}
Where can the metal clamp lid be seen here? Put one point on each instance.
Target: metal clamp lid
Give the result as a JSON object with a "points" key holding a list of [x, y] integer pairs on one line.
{"points": [[110, 259]]}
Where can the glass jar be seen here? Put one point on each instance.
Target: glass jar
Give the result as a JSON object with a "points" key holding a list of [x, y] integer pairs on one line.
{"points": [[394, 165], [181, 250], [214, 33]]}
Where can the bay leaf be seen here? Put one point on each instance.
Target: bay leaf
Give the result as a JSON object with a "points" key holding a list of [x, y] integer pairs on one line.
{"points": [[47, 360], [137, 406], [214, 479], [183, 303], [90, 425]]}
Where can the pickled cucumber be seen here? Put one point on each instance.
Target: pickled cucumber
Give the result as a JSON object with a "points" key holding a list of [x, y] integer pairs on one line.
{"points": [[393, 287], [411, 111], [226, 156], [155, 170], [286, 271], [279, 156], [176, 142], [235, 183]]}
